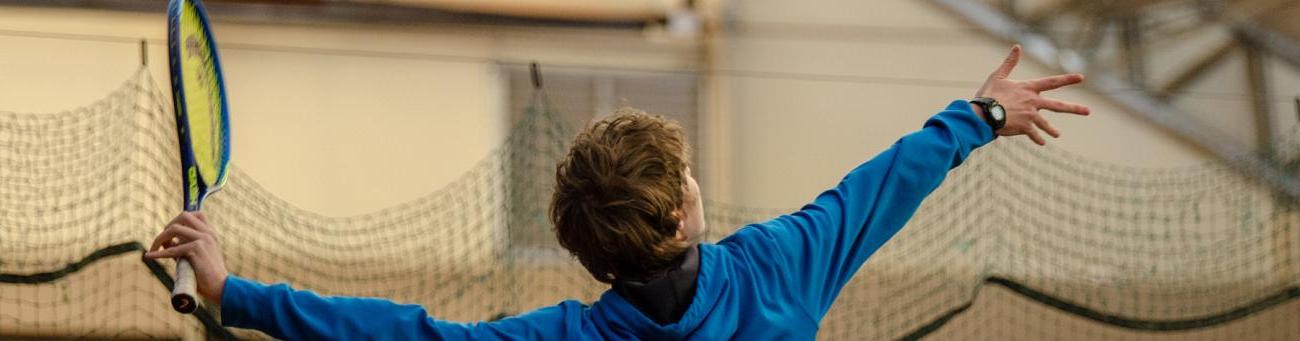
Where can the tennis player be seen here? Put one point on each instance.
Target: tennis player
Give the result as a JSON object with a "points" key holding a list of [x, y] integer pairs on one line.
{"points": [[626, 206]]}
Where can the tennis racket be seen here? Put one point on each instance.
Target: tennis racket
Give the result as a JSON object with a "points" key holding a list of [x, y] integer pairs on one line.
{"points": [[202, 120]]}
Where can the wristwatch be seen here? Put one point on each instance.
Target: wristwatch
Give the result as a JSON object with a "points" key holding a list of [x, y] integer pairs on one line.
{"points": [[994, 114]]}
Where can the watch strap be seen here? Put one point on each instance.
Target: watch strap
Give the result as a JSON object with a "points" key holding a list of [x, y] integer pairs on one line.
{"points": [[986, 104]]}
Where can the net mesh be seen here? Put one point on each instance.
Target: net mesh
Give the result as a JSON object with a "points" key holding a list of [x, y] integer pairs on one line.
{"points": [[1020, 242]]}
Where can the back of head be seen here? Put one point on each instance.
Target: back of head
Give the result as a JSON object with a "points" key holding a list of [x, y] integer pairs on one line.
{"points": [[618, 195]]}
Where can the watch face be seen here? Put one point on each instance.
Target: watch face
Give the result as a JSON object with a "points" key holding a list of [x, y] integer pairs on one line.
{"points": [[998, 113]]}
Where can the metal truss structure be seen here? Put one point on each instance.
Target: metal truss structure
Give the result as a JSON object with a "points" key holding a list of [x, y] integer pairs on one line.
{"points": [[1110, 40]]}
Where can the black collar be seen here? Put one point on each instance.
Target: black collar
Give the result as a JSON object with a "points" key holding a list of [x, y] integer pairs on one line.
{"points": [[664, 298]]}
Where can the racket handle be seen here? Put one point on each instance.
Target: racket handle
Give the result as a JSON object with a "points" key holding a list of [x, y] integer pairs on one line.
{"points": [[184, 297]]}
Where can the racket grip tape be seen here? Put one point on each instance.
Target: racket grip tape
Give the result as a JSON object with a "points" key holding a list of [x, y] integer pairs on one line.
{"points": [[184, 294]]}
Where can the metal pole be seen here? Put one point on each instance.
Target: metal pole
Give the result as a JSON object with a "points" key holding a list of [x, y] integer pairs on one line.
{"points": [[1260, 93], [144, 52], [1172, 119]]}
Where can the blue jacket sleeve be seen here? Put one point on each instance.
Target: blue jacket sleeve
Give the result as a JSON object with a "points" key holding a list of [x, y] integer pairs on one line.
{"points": [[816, 250], [288, 314]]}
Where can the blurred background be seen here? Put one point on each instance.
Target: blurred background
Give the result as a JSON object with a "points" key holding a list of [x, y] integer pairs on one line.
{"points": [[407, 138]]}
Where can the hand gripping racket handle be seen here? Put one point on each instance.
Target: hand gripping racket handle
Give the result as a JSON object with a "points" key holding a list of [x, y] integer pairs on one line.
{"points": [[185, 291], [184, 297]]}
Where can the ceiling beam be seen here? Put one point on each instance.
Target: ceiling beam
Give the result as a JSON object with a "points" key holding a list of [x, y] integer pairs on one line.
{"points": [[1198, 69], [1041, 14], [1169, 118], [1275, 43], [1132, 49], [1260, 91]]}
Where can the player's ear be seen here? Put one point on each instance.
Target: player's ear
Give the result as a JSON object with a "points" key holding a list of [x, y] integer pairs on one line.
{"points": [[680, 215]]}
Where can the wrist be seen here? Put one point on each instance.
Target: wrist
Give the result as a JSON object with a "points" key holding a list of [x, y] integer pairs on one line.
{"points": [[218, 289], [978, 111]]}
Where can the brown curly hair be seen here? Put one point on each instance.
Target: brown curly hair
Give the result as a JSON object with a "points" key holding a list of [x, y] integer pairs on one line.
{"points": [[618, 195]]}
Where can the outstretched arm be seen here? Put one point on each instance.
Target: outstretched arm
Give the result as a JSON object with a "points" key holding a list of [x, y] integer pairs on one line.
{"points": [[285, 313], [816, 250]]}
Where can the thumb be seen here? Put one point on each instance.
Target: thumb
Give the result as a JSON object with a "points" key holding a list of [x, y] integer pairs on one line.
{"points": [[1008, 64]]}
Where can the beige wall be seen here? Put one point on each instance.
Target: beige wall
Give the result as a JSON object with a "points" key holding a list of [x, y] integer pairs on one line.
{"points": [[340, 120], [337, 120], [306, 125], [791, 138]]}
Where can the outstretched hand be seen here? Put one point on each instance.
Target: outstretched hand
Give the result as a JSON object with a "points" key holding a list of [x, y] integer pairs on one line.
{"points": [[1022, 99], [189, 236]]}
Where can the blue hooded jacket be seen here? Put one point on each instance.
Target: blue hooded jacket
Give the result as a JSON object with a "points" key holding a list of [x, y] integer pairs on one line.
{"points": [[771, 280]]}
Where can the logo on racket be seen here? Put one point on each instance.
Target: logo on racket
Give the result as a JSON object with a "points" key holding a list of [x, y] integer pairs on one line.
{"points": [[193, 173]]}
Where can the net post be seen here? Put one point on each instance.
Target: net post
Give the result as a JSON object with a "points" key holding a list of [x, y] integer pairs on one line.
{"points": [[536, 75], [144, 52]]}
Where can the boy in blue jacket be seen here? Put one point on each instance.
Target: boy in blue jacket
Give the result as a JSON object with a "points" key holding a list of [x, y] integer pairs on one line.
{"points": [[626, 206]]}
